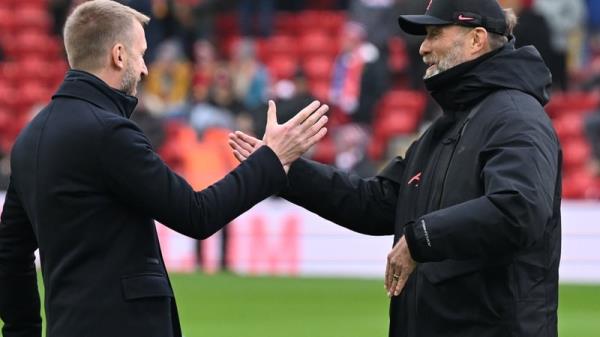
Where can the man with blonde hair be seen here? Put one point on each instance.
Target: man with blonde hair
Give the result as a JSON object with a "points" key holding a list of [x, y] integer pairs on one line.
{"points": [[474, 206], [86, 187]]}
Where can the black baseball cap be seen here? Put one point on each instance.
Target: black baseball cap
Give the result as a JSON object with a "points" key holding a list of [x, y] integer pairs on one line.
{"points": [[471, 13]]}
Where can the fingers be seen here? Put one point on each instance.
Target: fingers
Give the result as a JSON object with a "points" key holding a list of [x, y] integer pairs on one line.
{"points": [[387, 281], [400, 283], [316, 127], [239, 148], [315, 138], [304, 113], [315, 118], [246, 138], [271, 114], [238, 156], [243, 144]]}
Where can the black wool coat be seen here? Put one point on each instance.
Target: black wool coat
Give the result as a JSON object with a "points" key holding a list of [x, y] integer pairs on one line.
{"points": [[85, 189]]}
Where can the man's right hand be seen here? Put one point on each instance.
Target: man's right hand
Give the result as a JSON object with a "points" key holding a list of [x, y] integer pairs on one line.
{"points": [[290, 140]]}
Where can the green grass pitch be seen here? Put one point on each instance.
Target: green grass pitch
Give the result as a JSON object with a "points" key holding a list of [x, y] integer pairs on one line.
{"points": [[231, 306]]}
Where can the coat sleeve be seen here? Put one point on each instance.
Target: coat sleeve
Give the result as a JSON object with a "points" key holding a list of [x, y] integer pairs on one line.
{"points": [[520, 164], [139, 178], [367, 206], [19, 298]]}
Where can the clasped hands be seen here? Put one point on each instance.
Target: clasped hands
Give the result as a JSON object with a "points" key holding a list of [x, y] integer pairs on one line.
{"points": [[289, 141]]}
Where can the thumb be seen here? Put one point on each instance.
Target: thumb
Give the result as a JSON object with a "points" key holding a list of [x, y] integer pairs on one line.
{"points": [[272, 114]]}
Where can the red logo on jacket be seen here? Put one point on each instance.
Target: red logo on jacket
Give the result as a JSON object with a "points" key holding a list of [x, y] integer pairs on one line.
{"points": [[416, 179]]}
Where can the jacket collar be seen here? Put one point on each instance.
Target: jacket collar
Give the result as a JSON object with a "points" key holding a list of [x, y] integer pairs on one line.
{"points": [[85, 86], [452, 88]]}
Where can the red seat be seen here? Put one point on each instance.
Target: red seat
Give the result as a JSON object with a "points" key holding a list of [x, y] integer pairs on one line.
{"points": [[398, 59], [320, 89], [282, 67], [33, 18], [397, 99], [576, 153], [5, 120], [227, 24], [329, 21], [324, 151], [286, 23], [318, 42], [41, 4], [396, 122], [568, 125], [318, 68], [33, 93], [7, 23], [31, 42], [34, 68], [579, 184], [281, 45], [8, 97], [572, 101]]}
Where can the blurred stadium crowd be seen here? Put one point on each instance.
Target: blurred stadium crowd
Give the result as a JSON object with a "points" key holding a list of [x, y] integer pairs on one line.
{"points": [[213, 64]]}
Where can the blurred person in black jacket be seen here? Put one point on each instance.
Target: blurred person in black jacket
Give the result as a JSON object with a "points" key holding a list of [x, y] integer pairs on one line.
{"points": [[86, 187]]}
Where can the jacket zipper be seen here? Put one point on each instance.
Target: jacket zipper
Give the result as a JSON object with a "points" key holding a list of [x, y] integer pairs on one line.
{"points": [[460, 133]]}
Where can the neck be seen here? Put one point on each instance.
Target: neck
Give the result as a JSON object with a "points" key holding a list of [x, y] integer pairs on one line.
{"points": [[109, 77]]}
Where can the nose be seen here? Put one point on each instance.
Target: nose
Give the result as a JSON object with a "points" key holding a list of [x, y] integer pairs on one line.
{"points": [[425, 47]]}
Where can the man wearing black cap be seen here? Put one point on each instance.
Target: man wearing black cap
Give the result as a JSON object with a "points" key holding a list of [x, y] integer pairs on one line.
{"points": [[475, 205]]}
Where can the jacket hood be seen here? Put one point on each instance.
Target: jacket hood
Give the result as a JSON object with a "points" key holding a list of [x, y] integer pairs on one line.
{"points": [[85, 86], [520, 69]]}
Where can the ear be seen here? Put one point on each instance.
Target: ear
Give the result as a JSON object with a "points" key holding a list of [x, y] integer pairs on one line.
{"points": [[118, 56], [479, 41]]}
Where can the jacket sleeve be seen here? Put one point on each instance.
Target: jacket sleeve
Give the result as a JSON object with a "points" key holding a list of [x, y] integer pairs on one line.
{"points": [[519, 173], [139, 178], [19, 298], [366, 206]]}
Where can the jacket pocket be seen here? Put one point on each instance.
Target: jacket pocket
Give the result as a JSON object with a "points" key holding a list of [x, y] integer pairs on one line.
{"points": [[437, 272], [145, 285]]}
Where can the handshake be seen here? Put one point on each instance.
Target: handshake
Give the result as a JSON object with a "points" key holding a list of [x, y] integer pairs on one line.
{"points": [[289, 140]]}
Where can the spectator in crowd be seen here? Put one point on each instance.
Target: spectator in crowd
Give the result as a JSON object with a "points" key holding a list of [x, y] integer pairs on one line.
{"points": [[169, 78], [289, 95], [251, 80], [564, 17], [59, 10], [205, 63], [532, 29], [375, 16], [161, 24], [351, 143], [221, 107], [86, 187], [475, 205], [261, 11], [359, 75]]}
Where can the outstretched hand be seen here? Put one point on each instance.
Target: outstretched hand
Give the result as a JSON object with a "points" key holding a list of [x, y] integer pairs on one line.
{"points": [[243, 145], [289, 140]]}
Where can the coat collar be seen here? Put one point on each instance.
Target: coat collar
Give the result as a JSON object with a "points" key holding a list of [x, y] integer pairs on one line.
{"points": [[85, 86]]}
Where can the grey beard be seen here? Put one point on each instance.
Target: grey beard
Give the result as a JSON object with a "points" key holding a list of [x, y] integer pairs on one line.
{"points": [[450, 60], [129, 82]]}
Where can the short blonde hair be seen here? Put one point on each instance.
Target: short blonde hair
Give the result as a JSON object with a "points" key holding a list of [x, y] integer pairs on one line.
{"points": [[96, 26]]}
